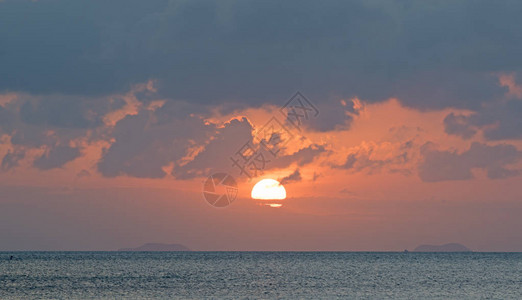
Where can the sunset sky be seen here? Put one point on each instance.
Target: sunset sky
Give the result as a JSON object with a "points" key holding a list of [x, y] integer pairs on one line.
{"points": [[114, 113]]}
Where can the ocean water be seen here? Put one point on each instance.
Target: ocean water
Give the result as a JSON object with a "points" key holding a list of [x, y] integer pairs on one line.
{"points": [[288, 275]]}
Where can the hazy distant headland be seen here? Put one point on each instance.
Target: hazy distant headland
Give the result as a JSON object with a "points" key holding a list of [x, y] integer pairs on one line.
{"points": [[451, 247], [157, 247]]}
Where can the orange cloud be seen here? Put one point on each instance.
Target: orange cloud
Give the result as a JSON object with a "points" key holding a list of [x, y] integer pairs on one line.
{"points": [[508, 80]]}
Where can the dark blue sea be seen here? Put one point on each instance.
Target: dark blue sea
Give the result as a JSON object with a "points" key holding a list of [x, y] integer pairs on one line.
{"points": [[288, 275]]}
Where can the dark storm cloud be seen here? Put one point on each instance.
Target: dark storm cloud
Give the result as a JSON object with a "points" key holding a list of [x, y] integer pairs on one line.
{"points": [[451, 165], [430, 55]]}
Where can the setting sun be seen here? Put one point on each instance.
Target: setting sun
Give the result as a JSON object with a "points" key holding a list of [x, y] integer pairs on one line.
{"points": [[268, 189]]}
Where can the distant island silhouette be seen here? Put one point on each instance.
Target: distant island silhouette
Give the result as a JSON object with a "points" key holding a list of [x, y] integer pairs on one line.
{"points": [[157, 247], [451, 247]]}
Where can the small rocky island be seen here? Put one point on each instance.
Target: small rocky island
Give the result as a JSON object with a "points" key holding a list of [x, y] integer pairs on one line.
{"points": [[157, 247], [451, 247]]}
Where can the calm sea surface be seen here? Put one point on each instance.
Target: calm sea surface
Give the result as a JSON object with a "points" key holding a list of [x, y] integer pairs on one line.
{"points": [[69, 275]]}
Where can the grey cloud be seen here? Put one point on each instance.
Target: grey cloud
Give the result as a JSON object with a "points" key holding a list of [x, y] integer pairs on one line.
{"points": [[12, 158], [451, 165], [6, 118], [217, 152], [362, 160], [506, 118], [498, 121], [29, 136], [149, 141], [49, 122], [29, 119], [430, 55], [56, 157], [301, 157], [458, 125], [69, 113], [53, 121], [332, 116], [294, 177], [357, 162]]}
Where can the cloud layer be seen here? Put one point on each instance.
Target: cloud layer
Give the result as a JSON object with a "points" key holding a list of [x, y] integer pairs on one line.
{"points": [[432, 55], [144, 79]]}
